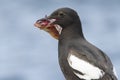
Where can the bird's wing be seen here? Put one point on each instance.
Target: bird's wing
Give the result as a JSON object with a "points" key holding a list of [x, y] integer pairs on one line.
{"points": [[82, 68], [89, 66]]}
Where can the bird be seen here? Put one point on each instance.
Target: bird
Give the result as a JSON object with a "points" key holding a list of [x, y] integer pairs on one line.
{"points": [[78, 58]]}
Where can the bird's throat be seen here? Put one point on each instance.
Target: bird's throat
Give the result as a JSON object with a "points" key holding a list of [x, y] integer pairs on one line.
{"points": [[72, 32]]}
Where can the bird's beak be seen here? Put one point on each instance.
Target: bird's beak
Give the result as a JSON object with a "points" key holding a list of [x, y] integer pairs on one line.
{"points": [[47, 24]]}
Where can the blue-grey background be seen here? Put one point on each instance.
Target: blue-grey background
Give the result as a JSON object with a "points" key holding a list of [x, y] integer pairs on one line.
{"points": [[27, 53]]}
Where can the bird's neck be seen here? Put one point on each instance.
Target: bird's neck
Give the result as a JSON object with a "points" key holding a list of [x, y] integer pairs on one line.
{"points": [[73, 31]]}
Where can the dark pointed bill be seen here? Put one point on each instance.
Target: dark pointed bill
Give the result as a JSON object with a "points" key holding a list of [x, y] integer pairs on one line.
{"points": [[48, 25]]}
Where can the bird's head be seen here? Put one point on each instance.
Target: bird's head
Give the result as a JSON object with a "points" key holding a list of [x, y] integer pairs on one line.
{"points": [[64, 17], [58, 20]]}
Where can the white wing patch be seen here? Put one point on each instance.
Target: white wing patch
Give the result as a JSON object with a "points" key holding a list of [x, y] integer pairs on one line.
{"points": [[90, 71]]}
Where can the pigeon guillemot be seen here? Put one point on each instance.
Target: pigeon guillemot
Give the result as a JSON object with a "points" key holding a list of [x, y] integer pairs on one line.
{"points": [[79, 59]]}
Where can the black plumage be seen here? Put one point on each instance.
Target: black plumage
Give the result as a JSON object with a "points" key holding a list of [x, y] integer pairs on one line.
{"points": [[73, 42]]}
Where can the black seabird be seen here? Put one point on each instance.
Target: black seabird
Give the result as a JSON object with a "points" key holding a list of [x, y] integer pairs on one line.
{"points": [[79, 59]]}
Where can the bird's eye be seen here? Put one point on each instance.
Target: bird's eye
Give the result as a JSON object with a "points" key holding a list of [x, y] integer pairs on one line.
{"points": [[61, 14]]}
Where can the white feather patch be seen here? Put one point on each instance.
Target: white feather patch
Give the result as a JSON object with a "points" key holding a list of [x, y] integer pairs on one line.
{"points": [[90, 71]]}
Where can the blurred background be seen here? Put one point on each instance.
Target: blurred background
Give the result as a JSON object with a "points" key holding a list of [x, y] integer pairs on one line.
{"points": [[27, 53]]}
